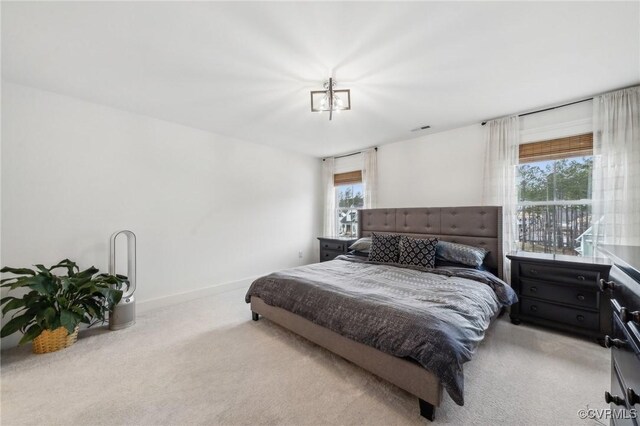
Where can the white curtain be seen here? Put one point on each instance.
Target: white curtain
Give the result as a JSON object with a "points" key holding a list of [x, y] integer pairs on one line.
{"points": [[370, 177], [328, 170], [616, 171], [501, 160]]}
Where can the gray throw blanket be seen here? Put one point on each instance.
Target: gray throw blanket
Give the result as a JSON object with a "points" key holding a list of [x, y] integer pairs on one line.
{"points": [[436, 318]]}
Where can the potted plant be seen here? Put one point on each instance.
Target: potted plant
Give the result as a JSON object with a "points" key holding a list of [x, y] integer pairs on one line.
{"points": [[50, 312]]}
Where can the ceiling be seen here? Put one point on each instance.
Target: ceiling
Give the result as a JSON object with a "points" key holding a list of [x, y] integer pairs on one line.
{"points": [[245, 70]]}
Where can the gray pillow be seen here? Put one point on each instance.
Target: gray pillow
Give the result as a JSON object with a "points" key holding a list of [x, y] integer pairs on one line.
{"points": [[362, 245], [460, 253]]}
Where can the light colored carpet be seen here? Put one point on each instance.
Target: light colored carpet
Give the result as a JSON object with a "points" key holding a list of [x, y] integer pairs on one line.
{"points": [[206, 362]]}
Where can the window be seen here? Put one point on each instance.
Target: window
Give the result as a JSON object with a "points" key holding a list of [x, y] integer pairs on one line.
{"points": [[554, 195], [349, 198]]}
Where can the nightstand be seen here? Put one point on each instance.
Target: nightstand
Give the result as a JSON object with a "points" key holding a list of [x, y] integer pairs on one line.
{"points": [[332, 247], [562, 292]]}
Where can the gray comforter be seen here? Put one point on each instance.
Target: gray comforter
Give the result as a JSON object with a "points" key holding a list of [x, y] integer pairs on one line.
{"points": [[436, 318]]}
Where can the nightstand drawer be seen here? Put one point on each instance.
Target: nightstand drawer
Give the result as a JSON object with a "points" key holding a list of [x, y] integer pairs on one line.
{"points": [[559, 274], [330, 245], [578, 296], [549, 311], [329, 255]]}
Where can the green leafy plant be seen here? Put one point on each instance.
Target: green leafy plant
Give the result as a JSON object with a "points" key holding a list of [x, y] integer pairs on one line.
{"points": [[54, 301]]}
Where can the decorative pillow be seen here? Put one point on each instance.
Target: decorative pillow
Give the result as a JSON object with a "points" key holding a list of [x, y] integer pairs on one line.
{"points": [[418, 252], [461, 253], [384, 248], [362, 245]]}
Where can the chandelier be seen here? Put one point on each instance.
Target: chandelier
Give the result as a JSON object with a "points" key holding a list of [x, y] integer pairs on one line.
{"points": [[330, 99]]}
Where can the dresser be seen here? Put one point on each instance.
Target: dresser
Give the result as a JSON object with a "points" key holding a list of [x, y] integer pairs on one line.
{"points": [[562, 292], [623, 287], [331, 247]]}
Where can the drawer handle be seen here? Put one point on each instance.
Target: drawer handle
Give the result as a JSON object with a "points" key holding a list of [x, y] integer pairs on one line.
{"points": [[617, 343], [580, 297], [580, 318], [580, 277], [632, 397], [534, 289], [533, 271], [606, 285], [626, 316], [326, 246], [615, 399], [534, 308]]}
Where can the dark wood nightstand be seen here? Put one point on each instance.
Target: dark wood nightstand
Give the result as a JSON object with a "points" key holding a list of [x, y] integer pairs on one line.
{"points": [[331, 247], [561, 292]]}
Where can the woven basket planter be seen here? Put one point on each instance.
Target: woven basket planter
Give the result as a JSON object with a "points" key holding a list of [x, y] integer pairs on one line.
{"points": [[54, 340]]}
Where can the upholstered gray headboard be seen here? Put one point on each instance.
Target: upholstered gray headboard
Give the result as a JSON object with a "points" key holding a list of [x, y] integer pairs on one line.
{"points": [[474, 226]]}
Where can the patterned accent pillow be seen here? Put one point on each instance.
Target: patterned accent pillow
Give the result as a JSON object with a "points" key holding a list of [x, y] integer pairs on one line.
{"points": [[418, 252], [362, 245], [384, 248], [461, 253]]}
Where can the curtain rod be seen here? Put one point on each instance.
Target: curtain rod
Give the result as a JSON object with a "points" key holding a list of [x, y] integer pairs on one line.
{"points": [[570, 103], [548, 109], [353, 153]]}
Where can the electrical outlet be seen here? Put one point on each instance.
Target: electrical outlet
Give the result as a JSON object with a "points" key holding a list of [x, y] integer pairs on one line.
{"points": [[300, 255]]}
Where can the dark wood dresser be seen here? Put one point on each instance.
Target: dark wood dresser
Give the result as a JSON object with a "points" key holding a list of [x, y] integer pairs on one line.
{"points": [[624, 288], [561, 292], [331, 247]]}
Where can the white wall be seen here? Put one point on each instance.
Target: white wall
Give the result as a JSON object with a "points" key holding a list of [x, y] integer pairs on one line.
{"points": [[206, 209], [438, 170], [447, 169]]}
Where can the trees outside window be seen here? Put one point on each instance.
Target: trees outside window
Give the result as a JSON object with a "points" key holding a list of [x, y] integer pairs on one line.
{"points": [[554, 205]]}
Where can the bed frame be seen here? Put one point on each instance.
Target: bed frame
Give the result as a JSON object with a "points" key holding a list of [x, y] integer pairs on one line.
{"points": [[475, 226]]}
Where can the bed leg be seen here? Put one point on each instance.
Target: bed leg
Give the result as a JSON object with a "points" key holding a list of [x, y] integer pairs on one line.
{"points": [[428, 411], [255, 316]]}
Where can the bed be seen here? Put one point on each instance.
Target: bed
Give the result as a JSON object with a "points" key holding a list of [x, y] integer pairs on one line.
{"points": [[410, 326]]}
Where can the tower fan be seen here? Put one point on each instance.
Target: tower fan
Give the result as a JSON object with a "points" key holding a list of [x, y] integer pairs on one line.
{"points": [[123, 314]]}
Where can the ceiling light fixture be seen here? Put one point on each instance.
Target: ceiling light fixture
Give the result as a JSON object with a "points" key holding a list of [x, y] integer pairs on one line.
{"points": [[330, 99]]}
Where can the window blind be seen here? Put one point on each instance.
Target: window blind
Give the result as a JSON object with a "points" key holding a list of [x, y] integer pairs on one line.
{"points": [[556, 149], [347, 178]]}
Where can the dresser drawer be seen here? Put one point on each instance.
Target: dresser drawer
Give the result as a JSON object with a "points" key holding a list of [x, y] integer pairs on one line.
{"points": [[626, 356], [563, 314], [578, 296], [331, 245], [559, 274], [618, 404]]}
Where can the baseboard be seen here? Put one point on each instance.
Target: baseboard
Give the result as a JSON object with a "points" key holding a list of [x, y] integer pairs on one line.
{"points": [[161, 302]]}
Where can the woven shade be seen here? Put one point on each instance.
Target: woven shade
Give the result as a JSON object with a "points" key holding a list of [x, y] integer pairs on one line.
{"points": [[347, 178], [557, 149]]}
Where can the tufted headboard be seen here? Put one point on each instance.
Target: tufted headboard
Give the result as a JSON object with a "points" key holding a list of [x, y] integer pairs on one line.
{"points": [[474, 226]]}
